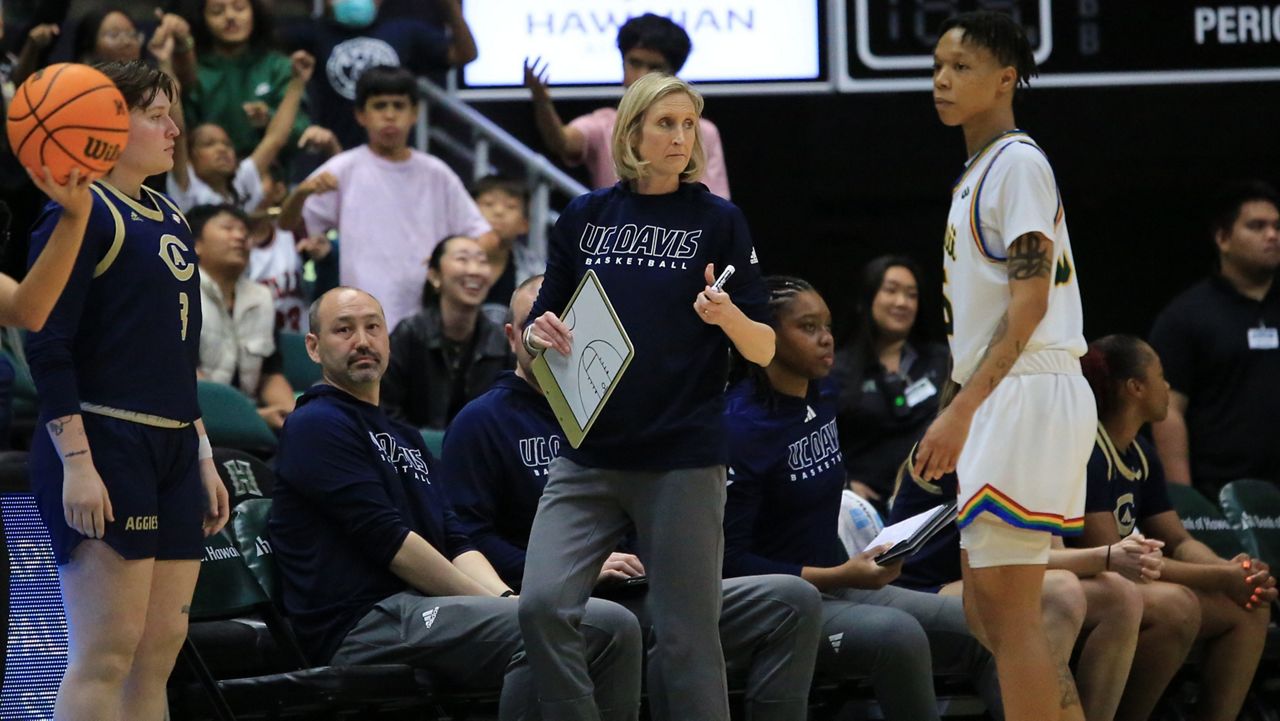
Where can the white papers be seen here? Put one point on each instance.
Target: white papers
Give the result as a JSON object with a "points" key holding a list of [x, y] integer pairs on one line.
{"points": [[909, 535]]}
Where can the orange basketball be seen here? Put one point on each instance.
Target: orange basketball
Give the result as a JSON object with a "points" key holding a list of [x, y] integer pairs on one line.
{"points": [[66, 116]]}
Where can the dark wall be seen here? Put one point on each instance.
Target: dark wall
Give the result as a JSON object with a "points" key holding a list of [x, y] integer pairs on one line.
{"points": [[830, 181]]}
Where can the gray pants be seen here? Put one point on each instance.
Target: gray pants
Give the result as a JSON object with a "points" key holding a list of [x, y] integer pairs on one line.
{"points": [[583, 513], [900, 638], [769, 627], [473, 642]]}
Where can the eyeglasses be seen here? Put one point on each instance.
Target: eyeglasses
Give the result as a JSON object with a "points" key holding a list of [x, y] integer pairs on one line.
{"points": [[122, 37]]}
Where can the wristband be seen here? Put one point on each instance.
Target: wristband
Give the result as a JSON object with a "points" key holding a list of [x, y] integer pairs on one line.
{"points": [[507, 594], [206, 450], [1107, 567]]}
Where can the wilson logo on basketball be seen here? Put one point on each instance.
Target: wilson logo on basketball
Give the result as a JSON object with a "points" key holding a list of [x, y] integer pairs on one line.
{"points": [[101, 150]]}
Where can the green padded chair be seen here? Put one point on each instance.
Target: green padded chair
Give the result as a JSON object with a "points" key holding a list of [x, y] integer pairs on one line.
{"points": [[226, 589], [434, 440], [249, 527], [299, 369], [1203, 520], [231, 420], [1253, 509]]}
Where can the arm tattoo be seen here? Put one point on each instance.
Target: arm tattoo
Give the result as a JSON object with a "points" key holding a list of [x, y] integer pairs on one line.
{"points": [[1067, 688], [73, 454], [1002, 365], [186, 610], [56, 426], [1031, 256]]}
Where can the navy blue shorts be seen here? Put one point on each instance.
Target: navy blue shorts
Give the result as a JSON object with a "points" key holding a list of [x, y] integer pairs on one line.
{"points": [[153, 480]]}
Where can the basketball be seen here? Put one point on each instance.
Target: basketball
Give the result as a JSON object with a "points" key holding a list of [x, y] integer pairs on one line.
{"points": [[68, 116]]}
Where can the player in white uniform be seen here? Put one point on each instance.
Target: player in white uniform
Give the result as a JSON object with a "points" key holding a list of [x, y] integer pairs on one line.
{"points": [[1019, 432]]}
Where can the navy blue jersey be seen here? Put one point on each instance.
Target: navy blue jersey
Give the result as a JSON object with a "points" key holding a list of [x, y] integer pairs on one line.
{"points": [[1129, 485], [124, 337], [650, 252], [494, 467], [786, 473], [937, 563], [351, 486]]}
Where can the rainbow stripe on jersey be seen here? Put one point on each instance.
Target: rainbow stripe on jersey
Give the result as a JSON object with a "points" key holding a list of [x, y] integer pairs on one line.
{"points": [[989, 499]]}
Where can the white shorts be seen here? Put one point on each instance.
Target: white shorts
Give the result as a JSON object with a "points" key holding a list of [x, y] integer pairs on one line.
{"points": [[1028, 449]]}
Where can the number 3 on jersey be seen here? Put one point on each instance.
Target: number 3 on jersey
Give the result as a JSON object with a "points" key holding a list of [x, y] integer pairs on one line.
{"points": [[184, 305]]}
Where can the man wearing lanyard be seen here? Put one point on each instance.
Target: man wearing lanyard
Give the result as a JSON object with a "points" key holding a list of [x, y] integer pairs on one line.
{"points": [[1221, 351]]}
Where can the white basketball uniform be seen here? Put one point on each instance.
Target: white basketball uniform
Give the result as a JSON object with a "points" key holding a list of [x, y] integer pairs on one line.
{"points": [[1028, 447], [279, 267]]}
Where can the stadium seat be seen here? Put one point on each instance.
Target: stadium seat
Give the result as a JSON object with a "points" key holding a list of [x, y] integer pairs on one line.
{"points": [[1252, 507], [249, 529], [227, 590], [231, 420], [299, 369], [434, 440], [1203, 520]]}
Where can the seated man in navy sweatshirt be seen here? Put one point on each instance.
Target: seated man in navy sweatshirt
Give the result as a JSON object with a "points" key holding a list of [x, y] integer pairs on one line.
{"points": [[375, 565], [494, 464]]}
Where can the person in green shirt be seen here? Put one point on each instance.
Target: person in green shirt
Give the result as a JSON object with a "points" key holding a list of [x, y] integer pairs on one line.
{"points": [[241, 76]]}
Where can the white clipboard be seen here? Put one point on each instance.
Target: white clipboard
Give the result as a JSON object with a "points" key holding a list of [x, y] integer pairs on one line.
{"points": [[578, 385]]}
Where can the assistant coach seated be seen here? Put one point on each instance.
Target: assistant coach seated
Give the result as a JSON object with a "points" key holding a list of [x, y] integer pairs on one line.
{"points": [[375, 567]]}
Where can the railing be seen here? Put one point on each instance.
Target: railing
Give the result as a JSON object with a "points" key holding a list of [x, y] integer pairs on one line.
{"points": [[486, 137]]}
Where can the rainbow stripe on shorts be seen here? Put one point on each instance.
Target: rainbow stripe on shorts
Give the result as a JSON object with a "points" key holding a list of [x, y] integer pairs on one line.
{"points": [[989, 499]]}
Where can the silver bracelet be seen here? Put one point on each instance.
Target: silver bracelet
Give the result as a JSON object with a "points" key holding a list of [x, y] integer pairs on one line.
{"points": [[527, 339]]}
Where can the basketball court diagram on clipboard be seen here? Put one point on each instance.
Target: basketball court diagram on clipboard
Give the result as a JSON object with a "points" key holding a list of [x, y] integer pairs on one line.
{"points": [[578, 385]]}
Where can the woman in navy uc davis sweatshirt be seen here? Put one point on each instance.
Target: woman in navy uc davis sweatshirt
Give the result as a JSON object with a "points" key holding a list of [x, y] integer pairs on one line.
{"points": [[656, 454], [786, 474]]}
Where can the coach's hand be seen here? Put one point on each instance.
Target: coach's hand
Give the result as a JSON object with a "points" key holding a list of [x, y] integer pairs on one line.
{"points": [[715, 307], [620, 566], [940, 448], [550, 332], [217, 503], [85, 503]]}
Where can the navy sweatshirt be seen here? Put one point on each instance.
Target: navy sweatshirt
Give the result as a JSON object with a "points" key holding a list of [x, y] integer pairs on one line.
{"points": [[352, 485], [125, 333], [786, 473], [494, 466], [650, 252]]}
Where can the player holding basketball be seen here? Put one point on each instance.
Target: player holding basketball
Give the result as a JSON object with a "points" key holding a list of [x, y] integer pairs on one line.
{"points": [[124, 477], [1020, 431], [656, 454]]}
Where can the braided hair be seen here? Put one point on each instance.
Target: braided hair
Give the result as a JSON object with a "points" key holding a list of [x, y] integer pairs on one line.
{"points": [[1111, 361], [782, 289]]}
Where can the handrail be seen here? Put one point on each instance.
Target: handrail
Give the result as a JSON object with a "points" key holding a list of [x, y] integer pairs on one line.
{"points": [[485, 127], [487, 137]]}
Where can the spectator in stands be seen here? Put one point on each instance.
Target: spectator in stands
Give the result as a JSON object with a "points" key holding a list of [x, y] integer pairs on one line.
{"points": [[205, 170], [390, 203], [786, 475], [889, 377], [1221, 350], [649, 43], [242, 78], [237, 342], [495, 462], [276, 258], [655, 456], [449, 352], [514, 259], [1089, 595], [105, 34], [351, 38], [1227, 601], [374, 565]]}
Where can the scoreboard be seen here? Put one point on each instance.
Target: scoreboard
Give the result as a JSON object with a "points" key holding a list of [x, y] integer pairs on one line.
{"points": [[888, 44]]}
